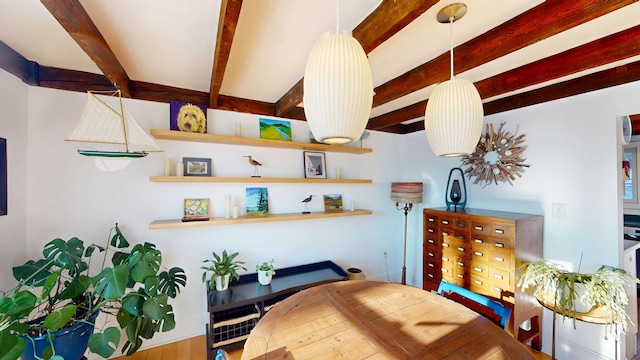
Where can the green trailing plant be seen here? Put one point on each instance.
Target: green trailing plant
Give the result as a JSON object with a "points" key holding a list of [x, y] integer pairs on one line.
{"points": [[58, 291], [604, 287], [221, 266], [266, 266]]}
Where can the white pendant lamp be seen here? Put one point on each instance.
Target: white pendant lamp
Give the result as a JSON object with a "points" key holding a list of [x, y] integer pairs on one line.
{"points": [[338, 89], [454, 115]]}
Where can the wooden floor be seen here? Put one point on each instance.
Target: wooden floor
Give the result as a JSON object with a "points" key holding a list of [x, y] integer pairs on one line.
{"points": [[195, 349]]}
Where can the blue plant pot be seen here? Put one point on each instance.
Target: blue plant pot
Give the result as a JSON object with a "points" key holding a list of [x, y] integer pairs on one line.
{"points": [[70, 343]]}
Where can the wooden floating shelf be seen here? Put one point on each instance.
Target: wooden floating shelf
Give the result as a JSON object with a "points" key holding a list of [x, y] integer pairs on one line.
{"points": [[221, 179], [237, 140], [175, 224]]}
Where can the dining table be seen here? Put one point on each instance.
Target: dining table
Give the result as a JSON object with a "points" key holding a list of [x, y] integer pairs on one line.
{"points": [[361, 319]]}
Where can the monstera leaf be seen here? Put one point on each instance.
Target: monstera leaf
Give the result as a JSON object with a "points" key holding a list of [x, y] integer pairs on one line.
{"points": [[171, 281], [111, 282], [66, 254], [105, 343], [144, 261]]}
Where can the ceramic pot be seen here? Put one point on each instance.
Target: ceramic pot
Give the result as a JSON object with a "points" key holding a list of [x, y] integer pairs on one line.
{"points": [[264, 277], [222, 284], [577, 304]]}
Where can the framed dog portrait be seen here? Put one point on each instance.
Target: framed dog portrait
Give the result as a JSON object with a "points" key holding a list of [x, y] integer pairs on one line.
{"points": [[197, 166], [187, 117], [314, 165]]}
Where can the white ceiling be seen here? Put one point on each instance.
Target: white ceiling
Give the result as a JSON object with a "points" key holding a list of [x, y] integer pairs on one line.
{"points": [[172, 42]]}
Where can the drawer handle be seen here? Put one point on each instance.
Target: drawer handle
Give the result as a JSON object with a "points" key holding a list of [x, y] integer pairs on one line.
{"points": [[431, 265], [499, 231], [478, 227], [497, 289], [461, 225], [460, 263], [432, 219], [446, 222], [445, 270], [479, 241], [431, 241], [431, 231], [445, 245], [445, 258], [478, 282], [477, 253], [461, 237], [430, 254], [461, 276], [498, 276], [500, 245], [444, 233], [430, 275], [460, 249], [499, 259], [477, 269]]}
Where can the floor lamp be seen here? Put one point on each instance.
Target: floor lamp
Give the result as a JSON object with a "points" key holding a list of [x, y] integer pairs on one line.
{"points": [[408, 193]]}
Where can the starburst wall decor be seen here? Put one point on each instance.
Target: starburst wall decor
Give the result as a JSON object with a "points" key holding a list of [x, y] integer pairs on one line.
{"points": [[498, 157]]}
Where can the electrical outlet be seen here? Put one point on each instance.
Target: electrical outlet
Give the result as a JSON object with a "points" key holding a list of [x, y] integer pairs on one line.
{"points": [[559, 211]]}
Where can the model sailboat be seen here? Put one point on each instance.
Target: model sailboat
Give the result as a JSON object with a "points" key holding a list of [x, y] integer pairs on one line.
{"points": [[100, 123]]}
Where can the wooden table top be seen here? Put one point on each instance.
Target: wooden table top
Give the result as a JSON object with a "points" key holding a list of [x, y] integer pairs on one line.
{"points": [[375, 320]]}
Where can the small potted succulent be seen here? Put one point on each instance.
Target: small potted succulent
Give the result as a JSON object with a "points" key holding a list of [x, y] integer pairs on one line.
{"points": [[574, 292], [223, 268], [265, 272]]}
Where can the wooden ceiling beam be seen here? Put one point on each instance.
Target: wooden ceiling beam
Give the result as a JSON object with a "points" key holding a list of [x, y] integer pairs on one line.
{"points": [[543, 21], [398, 116], [75, 20], [227, 23], [14, 63], [385, 21]]}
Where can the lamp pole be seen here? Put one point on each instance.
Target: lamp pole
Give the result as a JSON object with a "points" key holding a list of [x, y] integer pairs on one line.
{"points": [[407, 208]]}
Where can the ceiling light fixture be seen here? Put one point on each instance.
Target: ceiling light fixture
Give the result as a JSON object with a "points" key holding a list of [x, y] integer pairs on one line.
{"points": [[454, 115], [338, 88]]}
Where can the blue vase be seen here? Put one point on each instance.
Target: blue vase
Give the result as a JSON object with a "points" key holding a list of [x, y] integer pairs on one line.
{"points": [[70, 343]]}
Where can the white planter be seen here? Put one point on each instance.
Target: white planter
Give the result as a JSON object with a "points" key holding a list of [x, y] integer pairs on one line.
{"points": [[577, 304], [264, 277], [222, 285]]}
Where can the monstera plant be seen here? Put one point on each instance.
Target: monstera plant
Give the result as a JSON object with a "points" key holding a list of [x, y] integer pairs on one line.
{"points": [[62, 291]]}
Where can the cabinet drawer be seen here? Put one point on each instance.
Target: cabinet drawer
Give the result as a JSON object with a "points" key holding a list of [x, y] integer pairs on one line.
{"points": [[478, 242], [480, 269], [503, 230], [500, 278], [431, 271], [431, 255], [500, 258], [480, 227], [479, 284], [500, 243], [432, 241]]}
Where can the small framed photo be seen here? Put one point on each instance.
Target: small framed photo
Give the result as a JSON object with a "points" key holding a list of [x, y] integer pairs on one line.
{"points": [[196, 210], [333, 202], [315, 166], [197, 166]]}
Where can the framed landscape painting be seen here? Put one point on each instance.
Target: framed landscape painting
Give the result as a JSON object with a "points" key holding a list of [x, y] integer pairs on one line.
{"points": [[197, 166], [333, 202], [275, 129], [257, 202]]}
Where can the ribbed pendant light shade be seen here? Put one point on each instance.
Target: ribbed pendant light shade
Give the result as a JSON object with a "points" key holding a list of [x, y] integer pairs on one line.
{"points": [[453, 119], [338, 89]]}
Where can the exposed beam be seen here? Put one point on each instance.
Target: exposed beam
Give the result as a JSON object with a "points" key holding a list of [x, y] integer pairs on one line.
{"points": [[75, 20], [72, 80], [612, 48], [227, 22], [543, 21], [16, 64], [635, 124], [386, 20]]}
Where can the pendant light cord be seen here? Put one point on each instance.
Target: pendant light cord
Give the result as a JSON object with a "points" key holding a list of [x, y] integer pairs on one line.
{"points": [[451, 19], [337, 18]]}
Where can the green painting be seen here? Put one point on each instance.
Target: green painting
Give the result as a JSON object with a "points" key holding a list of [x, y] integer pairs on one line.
{"points": [[275, 129]]}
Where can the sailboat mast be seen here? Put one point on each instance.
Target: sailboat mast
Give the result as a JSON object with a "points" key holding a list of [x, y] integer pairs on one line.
{"points": [[124, 126]]}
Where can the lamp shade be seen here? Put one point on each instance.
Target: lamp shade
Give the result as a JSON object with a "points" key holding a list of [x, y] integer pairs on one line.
{"points": [[453, 119], [406, 192], [338, 89]]}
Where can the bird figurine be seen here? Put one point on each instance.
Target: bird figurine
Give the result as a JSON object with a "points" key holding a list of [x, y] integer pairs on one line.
{"points": [[255, 165], [306, 202]]}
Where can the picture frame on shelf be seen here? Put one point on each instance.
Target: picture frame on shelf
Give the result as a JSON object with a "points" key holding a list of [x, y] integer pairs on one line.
{"points": [[272, 129], [196, 209], [187, 117], [332, 202], [257, 201], [196, 166], [315, 166]]}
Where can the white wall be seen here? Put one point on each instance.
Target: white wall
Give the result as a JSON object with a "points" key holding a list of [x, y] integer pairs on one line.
{"points": [[13, 127], [573, 151]]}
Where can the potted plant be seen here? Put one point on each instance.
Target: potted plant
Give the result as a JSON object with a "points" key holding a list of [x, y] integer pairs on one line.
{"points": [[223, 268], [604, 287], [265, 272], [60, 293]]}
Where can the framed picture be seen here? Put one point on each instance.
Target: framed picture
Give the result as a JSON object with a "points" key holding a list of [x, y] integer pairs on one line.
{"points": [[333, 202], [314, 165], [257, 202], [275, 129], [197, 166], [187, 117], [196, 210], [3, 176]]}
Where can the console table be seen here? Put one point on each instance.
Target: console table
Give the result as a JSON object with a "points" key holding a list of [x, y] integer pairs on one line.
{"points": [[233, 313]]}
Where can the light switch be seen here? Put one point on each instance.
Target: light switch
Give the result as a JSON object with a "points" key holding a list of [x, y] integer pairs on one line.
{"points": [[559, 211]]}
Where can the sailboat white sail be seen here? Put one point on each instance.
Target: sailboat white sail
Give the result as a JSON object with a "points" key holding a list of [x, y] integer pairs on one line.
{"points": [[100, 123]]}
